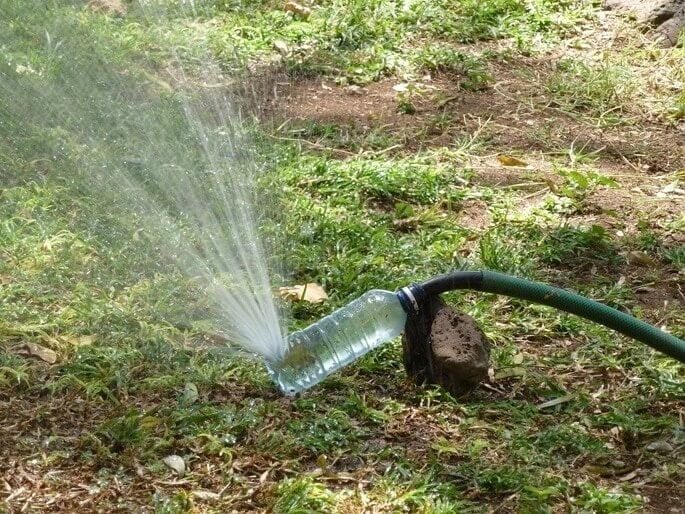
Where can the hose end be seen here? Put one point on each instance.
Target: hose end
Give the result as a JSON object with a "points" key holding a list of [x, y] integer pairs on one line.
{"points": [[411, 297]]}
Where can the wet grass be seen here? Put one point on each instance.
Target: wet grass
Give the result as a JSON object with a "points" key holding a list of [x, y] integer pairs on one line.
{"points": [[128, 389]]}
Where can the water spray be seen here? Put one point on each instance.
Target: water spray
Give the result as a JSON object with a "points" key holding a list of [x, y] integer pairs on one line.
{"points": [[380, 316]]}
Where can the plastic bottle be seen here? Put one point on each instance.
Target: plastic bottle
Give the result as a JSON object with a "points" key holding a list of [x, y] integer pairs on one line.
{"points": [[338, 339]]}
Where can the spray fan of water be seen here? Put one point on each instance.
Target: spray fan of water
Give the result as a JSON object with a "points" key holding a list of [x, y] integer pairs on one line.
{"points": [[164, 151]]}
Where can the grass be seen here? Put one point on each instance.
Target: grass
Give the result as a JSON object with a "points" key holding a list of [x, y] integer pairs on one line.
{"points": [[402, 201]]}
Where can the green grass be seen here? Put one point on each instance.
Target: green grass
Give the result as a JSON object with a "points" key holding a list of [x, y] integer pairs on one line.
{"points": [[130, 387]]}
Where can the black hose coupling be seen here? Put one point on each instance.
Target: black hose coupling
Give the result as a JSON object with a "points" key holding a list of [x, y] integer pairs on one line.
{"points": [[412, 298]]}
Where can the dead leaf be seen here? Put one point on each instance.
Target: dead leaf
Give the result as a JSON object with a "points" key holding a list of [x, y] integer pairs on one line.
{"points": [[355, 90], [629, 476], [510, 373], [45, 354], [4, 280], [508, 160], [555, 401], [81, 340], [150, 422], [311, 292], [206, 495], [638, 258], [297, 9]]}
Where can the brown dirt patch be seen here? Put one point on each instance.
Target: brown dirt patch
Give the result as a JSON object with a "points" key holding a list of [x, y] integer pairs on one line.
{"points": [[664, 499], [514, 114]]}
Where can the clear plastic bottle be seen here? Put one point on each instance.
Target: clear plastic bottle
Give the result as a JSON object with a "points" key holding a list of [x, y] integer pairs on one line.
{"points": [[338, 339]]}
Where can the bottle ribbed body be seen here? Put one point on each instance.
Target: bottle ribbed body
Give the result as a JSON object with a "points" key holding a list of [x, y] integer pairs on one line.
{"points": [[337, 340]]}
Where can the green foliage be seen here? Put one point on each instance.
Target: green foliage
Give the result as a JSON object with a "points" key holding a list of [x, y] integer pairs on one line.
{"points": [[676, 111], [179, 503], [14, 371], [473, 71], [577, 185], [597, 499], [602, 90], [303, 496]]}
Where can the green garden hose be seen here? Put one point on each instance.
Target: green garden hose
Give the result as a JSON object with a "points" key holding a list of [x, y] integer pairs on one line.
{"points": [[499, 283]]}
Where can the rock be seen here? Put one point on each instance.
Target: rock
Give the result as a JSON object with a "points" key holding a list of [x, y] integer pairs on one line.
{"points": [[297, 9], [446, 347], [666, 16], [43, 353], [176, 463], [661, 447]]}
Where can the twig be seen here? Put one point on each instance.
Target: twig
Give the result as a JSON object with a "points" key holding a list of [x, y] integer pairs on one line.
{"points": [[625, 159]]}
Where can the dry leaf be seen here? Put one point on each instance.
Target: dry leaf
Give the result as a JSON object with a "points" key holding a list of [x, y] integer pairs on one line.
{"points": [[555, 401], [206, 495], [510, 373], [150, 422], [355, 90], [45, 354], [298, 9], [81, 340], [311, 292], [638, 258], [508, 160], [629, 476]]}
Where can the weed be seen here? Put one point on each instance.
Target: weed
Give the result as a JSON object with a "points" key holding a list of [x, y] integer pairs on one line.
{"points": [[576, 187], [597, 499], [676, 111], [600, 90], [179, 503], [14, 371], [570, 441], [473, 73], [303, 495]]}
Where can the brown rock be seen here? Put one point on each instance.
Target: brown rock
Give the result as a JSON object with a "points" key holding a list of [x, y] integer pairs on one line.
{"points": [[443, 346], [666, 16]]}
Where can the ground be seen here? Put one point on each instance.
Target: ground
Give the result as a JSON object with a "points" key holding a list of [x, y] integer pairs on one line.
{"points": [[547, 142]]}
